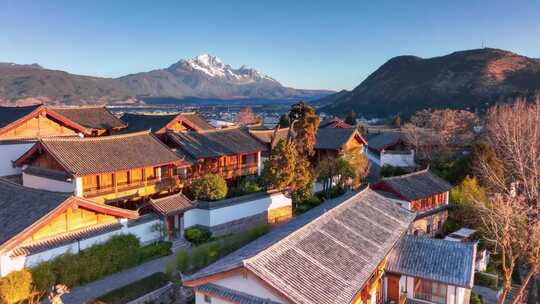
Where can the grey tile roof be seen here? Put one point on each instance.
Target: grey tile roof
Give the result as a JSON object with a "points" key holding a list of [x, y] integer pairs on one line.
{"points": [[327, 254], [270, 137], [21, 207], [434, 259], [333, 138], [9, 115], [141, 122], [334, 122], [172, 204], [232, 295], [384, 140], [92, 155], [215, 143], [416, 185], [94, 117]]}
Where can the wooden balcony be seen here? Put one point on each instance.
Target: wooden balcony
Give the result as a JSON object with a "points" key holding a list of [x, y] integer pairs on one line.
{"points": [[159, 184], [227, 172]]}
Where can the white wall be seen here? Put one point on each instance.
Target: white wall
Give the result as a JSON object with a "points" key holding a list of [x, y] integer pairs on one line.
{"points": [[9, 153], [211, 218], [250, 285], [143, 231], [397, 160], [374, 158], [38, 182]]}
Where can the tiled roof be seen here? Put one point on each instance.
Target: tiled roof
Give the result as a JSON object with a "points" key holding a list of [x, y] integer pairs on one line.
{"points": [[267, 136], [327, 254], [156, 122], [334, 122], [172, 204], [434, 259], [84, 156], [384, 140], [96, 117], [334, 138], [9, 115], [232, 295], [64, 239], [215, 143], [21, 207], [416, 185]]}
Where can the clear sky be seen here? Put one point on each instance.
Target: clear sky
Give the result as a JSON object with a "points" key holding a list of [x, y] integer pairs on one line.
{"points": [[304, 44]]}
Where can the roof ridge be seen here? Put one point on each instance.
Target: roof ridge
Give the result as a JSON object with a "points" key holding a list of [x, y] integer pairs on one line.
{"points": [[77, 107], [269, 130], [169, 196], [97, 138], [22, 107], [407, 175], [217, 130], [153, 114]]}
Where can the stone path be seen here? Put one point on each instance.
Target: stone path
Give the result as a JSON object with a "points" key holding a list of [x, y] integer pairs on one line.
{"points": [[98, 288]]}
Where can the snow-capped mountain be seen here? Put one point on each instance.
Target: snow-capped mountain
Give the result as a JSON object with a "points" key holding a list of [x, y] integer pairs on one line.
{"points": [[207, 76]]}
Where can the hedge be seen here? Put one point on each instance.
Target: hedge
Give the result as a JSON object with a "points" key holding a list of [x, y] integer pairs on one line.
{"points": [[134, 290], [197, 235], [118, 253], [207, 253], [486, 280]]}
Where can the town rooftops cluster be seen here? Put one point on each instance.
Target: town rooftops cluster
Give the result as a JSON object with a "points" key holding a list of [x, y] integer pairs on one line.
{"points": [[413, 186]]}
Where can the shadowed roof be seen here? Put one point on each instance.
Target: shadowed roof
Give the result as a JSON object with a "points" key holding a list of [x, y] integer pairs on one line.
{"points": [[325, 255], [416, 185], [215, 143], [98, 117], [270, 137], [85, 156], [157, 122], [12, 114], [335, 138], [384, 140], [434, 259]]}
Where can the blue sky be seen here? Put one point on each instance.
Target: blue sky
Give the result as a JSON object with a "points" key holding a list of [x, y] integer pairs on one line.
{"points": [[304, 44]]}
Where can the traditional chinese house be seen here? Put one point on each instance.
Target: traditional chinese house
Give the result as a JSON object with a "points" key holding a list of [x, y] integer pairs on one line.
{"points": [[21, 127], [230, 152], [334, 253], [333, 142], [422, 192], [114, 169], [269, 138], [449, 282], [160, 123], [390, 148], [348, 250], [334, 122], [38, 225]]}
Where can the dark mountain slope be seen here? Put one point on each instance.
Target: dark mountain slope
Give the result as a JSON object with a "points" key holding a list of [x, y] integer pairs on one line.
{"points": [[467, 79]]}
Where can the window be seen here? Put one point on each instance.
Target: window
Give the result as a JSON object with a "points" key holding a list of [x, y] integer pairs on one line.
{"points": [[429, 291], [207, 299]]}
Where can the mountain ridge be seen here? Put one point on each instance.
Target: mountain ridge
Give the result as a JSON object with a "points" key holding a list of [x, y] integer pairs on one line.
{"points": [[472, 79], [204, 76]]}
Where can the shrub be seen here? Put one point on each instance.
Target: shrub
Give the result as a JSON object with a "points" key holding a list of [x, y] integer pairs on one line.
{"points": [[16, 286], [67, 269], [476, 298], [211, 187], [246, 186], [43, 276], [197, 235], [152, 251], [135, 289], [388, 170], [450, 226], [486, 280], [182, 260]]}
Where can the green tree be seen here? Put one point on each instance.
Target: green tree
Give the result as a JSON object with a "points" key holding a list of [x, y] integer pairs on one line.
{"points": [[351, 118], [284, 121], [279, 171], [211, 187], [464, 197]]}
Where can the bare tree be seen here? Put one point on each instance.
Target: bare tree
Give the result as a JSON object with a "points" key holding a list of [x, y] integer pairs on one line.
{"points": [[246, 116], [512, 174]]}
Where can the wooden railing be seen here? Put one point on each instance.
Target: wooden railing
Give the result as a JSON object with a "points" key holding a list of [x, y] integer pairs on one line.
{"points": [[228, 171], [165, 182]]}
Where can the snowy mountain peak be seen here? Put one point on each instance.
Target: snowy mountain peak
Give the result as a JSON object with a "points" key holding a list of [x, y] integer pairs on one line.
{"points": [[214, 67]]}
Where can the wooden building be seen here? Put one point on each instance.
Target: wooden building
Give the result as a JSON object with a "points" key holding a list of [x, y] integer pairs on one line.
{"points": [[38, 225], [112, 169], [333, 142], [422, 192], [334, 253], [230, 152], [159, 124], [20, 127]]}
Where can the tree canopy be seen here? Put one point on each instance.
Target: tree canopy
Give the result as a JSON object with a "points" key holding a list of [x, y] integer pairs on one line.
{"points": [[211, 187]]}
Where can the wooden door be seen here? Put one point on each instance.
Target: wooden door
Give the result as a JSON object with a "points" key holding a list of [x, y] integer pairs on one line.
{"points": [[393, 288]]}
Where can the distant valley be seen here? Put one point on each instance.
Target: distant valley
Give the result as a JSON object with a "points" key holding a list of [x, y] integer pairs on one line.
{"points": [[204, 77]]}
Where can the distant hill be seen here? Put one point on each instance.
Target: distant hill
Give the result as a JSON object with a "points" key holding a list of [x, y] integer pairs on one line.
{"points": [[471, 79], [201, 77]]}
